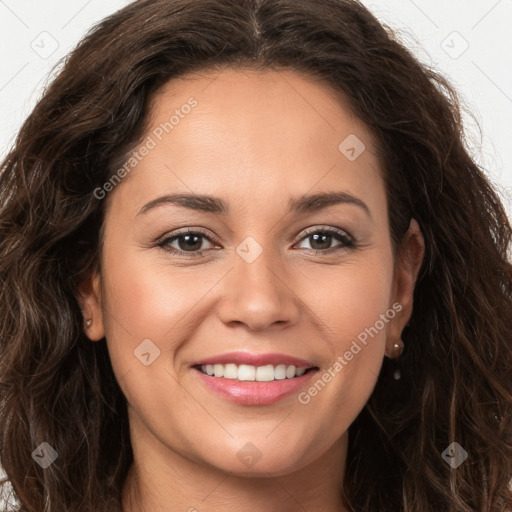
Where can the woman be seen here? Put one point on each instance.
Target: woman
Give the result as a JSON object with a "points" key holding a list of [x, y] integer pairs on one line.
{"points": [[247, 263]]}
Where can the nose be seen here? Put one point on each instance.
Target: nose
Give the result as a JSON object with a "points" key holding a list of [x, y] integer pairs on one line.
{"points": [[257, 295]]}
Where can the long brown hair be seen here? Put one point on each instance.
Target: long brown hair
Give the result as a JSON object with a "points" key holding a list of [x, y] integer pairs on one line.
{"points": [[58, 387]]}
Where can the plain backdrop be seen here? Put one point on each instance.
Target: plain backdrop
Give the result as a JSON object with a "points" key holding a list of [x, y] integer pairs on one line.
{"points": [[469, 41]]}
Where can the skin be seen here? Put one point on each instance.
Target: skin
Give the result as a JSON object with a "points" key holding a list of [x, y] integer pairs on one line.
{"points": [[256, 140]]}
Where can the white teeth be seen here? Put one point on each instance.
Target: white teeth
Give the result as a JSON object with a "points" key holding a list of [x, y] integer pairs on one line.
{"points": [[218, 370], [265, 373], [280, 371], [252, 373], [230, 371], [246, 372], [290, 372]]}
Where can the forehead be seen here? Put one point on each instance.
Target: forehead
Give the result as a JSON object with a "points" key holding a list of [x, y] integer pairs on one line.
{"points": [[256, 135], [247, 99]]}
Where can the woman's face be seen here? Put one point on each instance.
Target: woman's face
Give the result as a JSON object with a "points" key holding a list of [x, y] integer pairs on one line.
{"points": [[270, 277]]}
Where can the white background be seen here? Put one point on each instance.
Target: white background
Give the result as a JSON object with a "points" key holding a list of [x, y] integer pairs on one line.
{"points": [[36, 34]]}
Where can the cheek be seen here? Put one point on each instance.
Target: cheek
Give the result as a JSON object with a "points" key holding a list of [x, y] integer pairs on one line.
{"points": [[349, 299], [141, 305], [146, 309], [146, 299], [353, 306]]}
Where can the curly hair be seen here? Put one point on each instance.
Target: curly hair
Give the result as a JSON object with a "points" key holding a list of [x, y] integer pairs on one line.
{"points": [[58, 387]]}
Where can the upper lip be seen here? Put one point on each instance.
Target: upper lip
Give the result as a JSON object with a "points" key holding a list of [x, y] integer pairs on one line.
{"points": [[239, 358]]}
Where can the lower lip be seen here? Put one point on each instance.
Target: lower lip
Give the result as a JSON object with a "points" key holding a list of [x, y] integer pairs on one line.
{"points": [[253, 392]]}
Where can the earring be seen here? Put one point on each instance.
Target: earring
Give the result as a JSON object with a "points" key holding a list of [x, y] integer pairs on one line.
{"points": [[88, 323], [398, 349], [397, 352]]}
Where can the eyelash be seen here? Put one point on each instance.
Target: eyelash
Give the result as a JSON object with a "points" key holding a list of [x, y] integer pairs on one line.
{"points": [[347, 241]]}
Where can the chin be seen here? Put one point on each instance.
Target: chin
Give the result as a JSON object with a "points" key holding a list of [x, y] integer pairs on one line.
{"points": [[259, 460]]}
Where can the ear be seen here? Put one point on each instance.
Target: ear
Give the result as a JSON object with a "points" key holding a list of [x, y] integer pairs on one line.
{"points": [[407, 267], [90, 300]]}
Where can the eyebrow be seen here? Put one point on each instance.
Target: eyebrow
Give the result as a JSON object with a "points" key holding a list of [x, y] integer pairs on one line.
{"points": [[216, 205]]}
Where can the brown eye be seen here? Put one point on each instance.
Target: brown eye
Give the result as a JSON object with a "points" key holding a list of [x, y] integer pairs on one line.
{"points": [[186, 242], [321, 240]]}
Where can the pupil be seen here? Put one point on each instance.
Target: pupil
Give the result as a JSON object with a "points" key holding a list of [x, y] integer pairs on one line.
{"points": [[188, 246], [324, 237]]}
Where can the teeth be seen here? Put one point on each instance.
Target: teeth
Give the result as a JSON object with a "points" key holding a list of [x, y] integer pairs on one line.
{"points": [[252, 373]]}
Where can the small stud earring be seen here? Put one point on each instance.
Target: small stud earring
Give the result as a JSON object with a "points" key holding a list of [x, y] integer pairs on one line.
{"points": [[398, 349], [88, 323]]}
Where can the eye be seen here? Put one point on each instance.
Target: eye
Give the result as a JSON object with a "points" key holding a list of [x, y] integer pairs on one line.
{"points": [[188, 242], [191, 242], [323, 238]]}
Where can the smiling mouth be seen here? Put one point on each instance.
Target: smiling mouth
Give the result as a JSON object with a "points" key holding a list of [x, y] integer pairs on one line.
{"points": [[246, 372]]}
